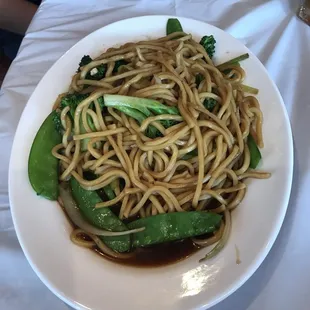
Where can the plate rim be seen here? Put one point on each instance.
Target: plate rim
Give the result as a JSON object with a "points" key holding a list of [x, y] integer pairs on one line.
{"points": [[247, 273]]}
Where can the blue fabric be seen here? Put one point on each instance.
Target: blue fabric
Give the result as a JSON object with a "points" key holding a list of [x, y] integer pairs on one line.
{"points": [[9, 43]]}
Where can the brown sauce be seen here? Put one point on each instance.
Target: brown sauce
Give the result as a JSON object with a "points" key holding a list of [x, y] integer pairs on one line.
{"points": [[157, 255], [153, 256]]}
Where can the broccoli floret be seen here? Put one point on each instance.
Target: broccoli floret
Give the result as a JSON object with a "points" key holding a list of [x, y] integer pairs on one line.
{"points": [[118, 64], [208, 42], [153, 132], [209, 104], [57, 122], [168, 123], [103, 108], [86, 59], [198, 79], [72, 101], [99, 71], [190, 154], [101, 102]]}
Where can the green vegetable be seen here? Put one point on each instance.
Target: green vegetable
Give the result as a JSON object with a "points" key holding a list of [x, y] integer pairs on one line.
{"points": [[42, 165], [140, 109], [234, 61], [145, 106], [190, 154], [86, 59], [109, 192], [173, 25], [208, 43], [249, 89], [72, 101], [76, 217], [153, 132], [137, 115], [168, 123], [137, 108], [120, 102], [101, 102], [227, 71], [57, 122], [209, 103], [101, 69], [198, 79], [254, 152], [173, 226], [102, 218], [100, 74], [118, 64]]}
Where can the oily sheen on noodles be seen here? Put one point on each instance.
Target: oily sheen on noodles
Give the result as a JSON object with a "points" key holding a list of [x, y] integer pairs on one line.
{"points": [[200, 162]]}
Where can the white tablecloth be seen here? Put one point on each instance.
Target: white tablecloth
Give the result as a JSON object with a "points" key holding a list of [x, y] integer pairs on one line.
{"points": [[281, 41]]}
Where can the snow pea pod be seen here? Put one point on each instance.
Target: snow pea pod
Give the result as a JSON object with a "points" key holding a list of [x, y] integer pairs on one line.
{"points": [[102, 218], [254, 152], [173, 25], [42, 165], [173, 226]]}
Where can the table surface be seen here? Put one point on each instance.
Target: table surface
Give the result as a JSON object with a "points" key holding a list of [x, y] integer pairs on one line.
{"points": [[271, 31]]}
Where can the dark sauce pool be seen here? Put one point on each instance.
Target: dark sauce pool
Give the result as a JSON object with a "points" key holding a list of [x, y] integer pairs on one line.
{"points": [[154, 256], [157, 255]]}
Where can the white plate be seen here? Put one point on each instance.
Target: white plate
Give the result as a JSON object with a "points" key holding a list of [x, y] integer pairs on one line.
{"points": [[86, 281]]}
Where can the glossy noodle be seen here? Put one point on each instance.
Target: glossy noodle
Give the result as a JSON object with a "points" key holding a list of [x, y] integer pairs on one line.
{"points": [[200, 162]]}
